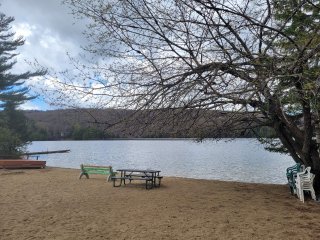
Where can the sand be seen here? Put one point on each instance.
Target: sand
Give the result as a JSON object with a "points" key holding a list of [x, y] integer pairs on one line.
{"points": [[53, 203]]}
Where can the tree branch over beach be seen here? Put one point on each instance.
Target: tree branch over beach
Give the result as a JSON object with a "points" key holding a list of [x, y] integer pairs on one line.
{"points": [[253, 59]]}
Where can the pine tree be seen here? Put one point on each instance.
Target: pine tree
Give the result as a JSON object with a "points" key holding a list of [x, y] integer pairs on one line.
{"points": [[12, 92], [301, 35]]}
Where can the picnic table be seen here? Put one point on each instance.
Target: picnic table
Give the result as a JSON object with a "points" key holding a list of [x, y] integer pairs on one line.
{"points": [[149, 176]]}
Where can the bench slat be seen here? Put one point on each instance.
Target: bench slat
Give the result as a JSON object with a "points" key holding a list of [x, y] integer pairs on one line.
{"points": [[103, 168], [131, 178], [96, 166], [97, 170], [145, 178], [126, 178]]}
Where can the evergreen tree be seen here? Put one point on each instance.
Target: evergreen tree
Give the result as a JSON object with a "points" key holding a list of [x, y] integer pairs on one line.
{"points": [[301, 36], [13, 135]]}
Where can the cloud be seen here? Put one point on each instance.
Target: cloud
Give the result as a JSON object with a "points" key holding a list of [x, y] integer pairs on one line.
{"points": [[23, 29], [51, 14], [50, 32]]}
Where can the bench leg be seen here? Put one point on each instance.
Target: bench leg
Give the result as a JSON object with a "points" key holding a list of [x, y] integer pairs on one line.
{"points": [[82, 173], [109, 178]]}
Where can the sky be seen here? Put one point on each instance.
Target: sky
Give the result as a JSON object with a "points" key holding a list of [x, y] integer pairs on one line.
{"points": [[50, 32]]}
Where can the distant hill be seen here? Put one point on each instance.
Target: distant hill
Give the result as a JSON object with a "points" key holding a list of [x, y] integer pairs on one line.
{"points": [[61, 124], [111, 123]]}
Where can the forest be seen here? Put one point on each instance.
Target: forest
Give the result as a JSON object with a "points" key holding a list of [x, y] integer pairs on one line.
{"points": [[91, 124]]}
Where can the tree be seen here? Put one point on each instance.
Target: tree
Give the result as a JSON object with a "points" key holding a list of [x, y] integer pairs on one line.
{"points": [[300, 23], [247, 58], [77, 132], [13, 135]]}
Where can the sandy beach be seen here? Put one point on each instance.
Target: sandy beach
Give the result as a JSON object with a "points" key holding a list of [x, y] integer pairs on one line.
{"points": [[53, 203]]}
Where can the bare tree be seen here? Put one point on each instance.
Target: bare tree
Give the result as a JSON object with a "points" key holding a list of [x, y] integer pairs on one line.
{"points": [[208, 55]]}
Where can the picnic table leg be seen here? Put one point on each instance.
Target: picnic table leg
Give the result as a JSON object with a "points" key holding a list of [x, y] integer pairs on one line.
{"points": [[159, 181], [114, 182], [153, 179], [123, 174], [151, 186]]}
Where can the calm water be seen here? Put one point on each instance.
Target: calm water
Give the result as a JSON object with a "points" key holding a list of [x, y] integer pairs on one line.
{"points": [[239, 160]]}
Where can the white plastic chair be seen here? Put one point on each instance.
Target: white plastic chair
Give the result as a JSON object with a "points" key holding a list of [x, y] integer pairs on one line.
{"points": [[304, 182]]}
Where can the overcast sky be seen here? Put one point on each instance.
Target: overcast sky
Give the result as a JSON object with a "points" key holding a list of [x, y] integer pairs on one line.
{"points": [[50, 32]]}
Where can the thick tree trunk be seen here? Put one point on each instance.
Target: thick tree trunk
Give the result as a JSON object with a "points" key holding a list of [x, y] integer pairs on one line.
{"points": [[316, 161], [315, 168], [295, 148], [317, 130], [311, 159]]}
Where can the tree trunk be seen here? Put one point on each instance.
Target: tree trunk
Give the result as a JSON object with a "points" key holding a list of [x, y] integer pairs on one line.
{"points": [[295, 148]]}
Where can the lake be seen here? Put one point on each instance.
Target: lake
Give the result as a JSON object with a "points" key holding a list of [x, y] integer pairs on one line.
{"points": [[242, 160]]}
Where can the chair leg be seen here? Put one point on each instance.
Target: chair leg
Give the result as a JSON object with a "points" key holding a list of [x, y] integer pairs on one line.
{"points": [[291, 190], [313, 194], [300, 194]]}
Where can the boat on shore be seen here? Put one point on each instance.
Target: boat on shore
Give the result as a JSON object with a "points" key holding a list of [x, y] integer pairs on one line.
{"points": [[21, 163]]}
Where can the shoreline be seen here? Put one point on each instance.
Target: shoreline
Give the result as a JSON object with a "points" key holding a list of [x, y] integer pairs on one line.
{"points": [[169, 176], [52, 203]]}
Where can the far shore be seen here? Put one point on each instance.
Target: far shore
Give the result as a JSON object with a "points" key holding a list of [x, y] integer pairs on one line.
{"points": [[53, 203], [115, 139]]}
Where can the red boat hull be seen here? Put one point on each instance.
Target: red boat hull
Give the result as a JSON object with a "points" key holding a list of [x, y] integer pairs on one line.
{"points": [[16, 164]]}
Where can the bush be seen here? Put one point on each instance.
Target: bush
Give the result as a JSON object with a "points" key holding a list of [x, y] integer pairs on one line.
{"points": [[10, 144]]}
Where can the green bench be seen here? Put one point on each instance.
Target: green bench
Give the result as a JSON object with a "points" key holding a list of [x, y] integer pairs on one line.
{"points": [[90, 169]]}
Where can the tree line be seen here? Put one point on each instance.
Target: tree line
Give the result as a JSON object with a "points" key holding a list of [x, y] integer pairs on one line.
{"points": [[76, 132], [80, 125]]}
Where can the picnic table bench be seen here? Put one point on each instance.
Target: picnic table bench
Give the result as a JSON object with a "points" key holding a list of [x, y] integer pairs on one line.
{"points": [[148, 181], [155, 178], [91, 169]]}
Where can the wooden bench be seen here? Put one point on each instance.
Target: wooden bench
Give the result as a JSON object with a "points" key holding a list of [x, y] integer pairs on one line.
{"points": [[149, 181], [91, 169]]}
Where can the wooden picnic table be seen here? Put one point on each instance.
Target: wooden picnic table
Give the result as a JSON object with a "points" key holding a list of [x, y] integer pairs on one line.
{"points": [[147, 175]]}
